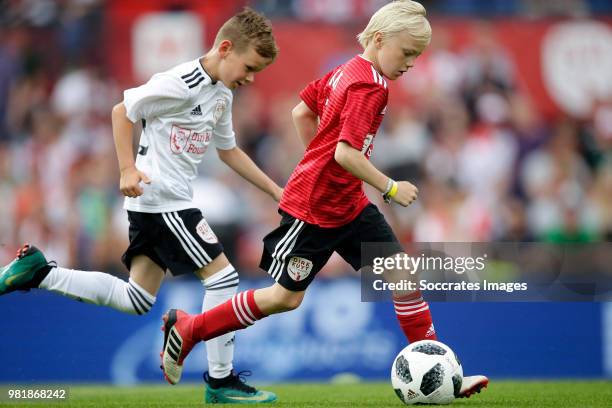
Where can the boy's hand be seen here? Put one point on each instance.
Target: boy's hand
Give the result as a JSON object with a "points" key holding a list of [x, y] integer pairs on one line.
{"points": [[129, 184], [406, 193]]}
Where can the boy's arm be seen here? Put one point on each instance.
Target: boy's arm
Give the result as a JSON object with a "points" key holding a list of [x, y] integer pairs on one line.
{"points": [[353, 161], [242, 164], [306, 122], [122, 134]]}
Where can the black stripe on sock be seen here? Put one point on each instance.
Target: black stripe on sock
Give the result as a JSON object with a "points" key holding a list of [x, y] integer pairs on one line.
{"points": [[133, 302], [143, 307], [141, 296], [223, 280], [231, 285], [227, 275]]}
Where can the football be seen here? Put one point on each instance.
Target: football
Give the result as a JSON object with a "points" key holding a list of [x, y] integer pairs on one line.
{"points": [[427, 372]]}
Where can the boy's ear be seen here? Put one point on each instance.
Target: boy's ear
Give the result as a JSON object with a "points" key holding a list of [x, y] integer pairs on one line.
{"points": [[225, 47], [378, 39]]}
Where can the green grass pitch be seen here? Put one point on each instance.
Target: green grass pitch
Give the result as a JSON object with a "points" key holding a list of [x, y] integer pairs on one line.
{"points": [[513, 394]]}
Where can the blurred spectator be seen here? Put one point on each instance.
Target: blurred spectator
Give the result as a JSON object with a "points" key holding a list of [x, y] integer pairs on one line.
{"points": [[555, 179]]}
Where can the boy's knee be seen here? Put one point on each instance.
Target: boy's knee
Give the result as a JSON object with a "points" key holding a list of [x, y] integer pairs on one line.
{"points": [[277, 299], [288, 302]]}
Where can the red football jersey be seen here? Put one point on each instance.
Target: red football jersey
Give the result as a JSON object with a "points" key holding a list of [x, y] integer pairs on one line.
{"points": [[351, 102]]}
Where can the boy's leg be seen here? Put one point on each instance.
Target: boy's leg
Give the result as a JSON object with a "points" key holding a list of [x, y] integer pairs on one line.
{"points": [[136, 296], [220, 281], [414, 316], [184, 331], [31, 270], [412, 311], [293, 254], [191, 246]]}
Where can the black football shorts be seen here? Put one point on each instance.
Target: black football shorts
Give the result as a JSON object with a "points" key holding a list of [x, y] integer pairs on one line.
{"points": [[296, 251], [179, 241]]}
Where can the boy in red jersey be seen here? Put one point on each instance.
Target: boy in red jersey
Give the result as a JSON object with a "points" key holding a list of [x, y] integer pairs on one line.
{"points": [[324, 207]]}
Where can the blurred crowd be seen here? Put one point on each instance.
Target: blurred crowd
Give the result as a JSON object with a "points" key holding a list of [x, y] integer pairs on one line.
{"points": [[488, 165], [348, 10]]}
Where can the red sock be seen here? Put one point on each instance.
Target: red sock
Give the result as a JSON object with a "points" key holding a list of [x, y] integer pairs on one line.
{"points": [[239, 312], [414, 317]]}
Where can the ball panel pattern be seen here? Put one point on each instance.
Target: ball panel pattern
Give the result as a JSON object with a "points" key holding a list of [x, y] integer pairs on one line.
{"points": [[432, 379]]}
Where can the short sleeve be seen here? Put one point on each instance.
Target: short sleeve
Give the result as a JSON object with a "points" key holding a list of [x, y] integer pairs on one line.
{"points": [[310, 95], [224, 136], [364, 102], [162, 94]]}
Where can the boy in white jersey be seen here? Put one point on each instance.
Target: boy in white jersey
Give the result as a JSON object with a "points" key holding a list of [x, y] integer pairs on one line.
{"points": [[183, 111]]}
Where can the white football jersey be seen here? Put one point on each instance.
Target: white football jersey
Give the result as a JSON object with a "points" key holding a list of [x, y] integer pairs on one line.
{"points": [[182, 111]]}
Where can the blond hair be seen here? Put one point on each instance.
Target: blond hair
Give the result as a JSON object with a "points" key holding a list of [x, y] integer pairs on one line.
{"points": [[249, 28], [395, 17]]}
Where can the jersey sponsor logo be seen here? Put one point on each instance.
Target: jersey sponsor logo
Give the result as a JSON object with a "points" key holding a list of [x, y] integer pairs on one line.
{"points": [[178, 139], [219, 110], [198, 142], [197, 111], [299, 268], [206, 233], [188, 141]]}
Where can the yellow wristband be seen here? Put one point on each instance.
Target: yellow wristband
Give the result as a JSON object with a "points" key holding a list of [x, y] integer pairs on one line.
{"points": [[393, 190]]}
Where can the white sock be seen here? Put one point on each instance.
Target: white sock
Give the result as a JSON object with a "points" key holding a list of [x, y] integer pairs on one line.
{"points": [[220, 351], [100, 289]]}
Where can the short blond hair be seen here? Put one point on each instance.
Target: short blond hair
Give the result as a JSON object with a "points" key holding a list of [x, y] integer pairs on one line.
{"points": [[249, 28], [395, 17]]}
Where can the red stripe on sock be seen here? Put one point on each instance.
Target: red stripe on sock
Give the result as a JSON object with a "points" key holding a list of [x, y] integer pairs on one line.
{"points": [[416, 325], [257, 313], [407, 308], [237, 313]]}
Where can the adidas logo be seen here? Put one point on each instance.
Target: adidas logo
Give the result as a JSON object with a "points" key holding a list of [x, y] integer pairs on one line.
{"points": [[411, 394], [431, 331], [197, 111]]}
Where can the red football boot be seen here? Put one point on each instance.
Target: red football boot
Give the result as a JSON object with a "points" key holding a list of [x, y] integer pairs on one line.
{"points": [[178, 328]]}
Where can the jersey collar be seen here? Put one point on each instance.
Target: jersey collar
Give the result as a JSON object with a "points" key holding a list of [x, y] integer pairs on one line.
{"points": [[360, 56], [213, 82], [365, 59]]}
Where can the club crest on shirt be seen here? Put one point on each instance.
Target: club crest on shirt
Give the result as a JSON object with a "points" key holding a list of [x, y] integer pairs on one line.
{"points": [[299, 268], [219, 110], [178, 139], [206, 233]]}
